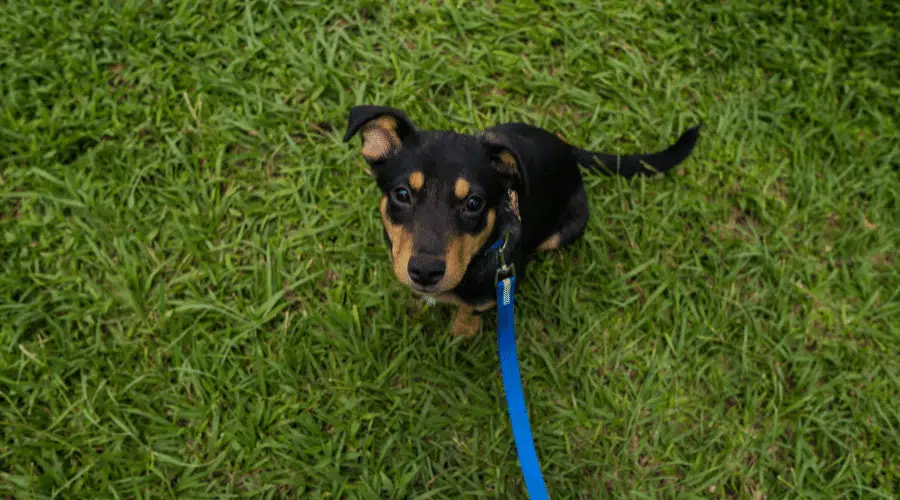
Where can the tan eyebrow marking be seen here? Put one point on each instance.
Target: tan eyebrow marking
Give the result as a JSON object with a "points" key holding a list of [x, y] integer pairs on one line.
{"points": [[416, 180], [461, 188]]}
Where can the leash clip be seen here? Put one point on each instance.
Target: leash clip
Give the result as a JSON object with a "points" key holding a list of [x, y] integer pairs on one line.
{"points": [[504, 271]]}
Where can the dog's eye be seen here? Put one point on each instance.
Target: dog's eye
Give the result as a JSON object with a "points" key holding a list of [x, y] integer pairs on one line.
{"points": [[401, 196], [474, 204]]}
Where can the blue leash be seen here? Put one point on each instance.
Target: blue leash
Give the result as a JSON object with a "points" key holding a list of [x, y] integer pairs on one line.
{"points": [[512, 380]]}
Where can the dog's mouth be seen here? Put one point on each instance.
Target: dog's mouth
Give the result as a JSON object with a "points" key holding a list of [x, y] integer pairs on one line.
{"points": [[445, 285], [427, 290], [424, 293]]}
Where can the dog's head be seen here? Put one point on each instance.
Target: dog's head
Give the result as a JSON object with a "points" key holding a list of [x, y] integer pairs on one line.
{"points": [[441, 194]]}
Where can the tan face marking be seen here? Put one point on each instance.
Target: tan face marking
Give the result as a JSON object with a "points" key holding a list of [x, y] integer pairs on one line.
{"points": [[461, 188], [380, 138], [460, 251], [401, 244], [550, 243], [416, 180]]}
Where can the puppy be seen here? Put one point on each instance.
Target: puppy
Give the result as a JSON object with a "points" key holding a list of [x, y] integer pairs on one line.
{"points": [[454, 204]]}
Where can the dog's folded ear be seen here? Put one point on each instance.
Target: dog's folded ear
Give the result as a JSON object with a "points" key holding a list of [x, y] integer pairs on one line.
{"points": [[503, 157], [384, 131]]}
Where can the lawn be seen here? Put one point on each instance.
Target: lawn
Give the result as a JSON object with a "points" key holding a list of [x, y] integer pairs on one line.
{"points": [[196, 300]]}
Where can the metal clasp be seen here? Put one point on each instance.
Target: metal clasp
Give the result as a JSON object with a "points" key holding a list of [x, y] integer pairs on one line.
{"points": [[505, 270]]}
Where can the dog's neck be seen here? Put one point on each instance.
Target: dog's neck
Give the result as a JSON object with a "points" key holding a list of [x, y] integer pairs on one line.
{"points": [[509, 226]]}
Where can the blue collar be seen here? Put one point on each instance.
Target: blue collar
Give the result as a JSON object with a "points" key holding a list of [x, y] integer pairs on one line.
{"points": [[497, 244]]}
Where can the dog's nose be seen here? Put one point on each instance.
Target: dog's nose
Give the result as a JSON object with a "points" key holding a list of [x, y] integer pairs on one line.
{"points": [[426, 271]]}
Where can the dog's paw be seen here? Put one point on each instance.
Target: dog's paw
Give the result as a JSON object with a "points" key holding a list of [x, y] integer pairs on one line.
{"points": [[465, 324]]}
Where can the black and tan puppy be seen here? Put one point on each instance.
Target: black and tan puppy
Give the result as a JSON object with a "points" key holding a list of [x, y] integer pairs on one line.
{"points": [[448, 198]]}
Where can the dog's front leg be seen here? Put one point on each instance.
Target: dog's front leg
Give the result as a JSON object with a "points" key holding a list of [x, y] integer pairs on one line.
{"points": [[467, 321]]}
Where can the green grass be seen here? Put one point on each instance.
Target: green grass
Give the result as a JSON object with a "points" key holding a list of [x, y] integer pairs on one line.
{"points": [[196, 299]]}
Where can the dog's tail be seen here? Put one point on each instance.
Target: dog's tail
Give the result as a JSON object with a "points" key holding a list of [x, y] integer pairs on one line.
{"points": [[631, 165]]}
